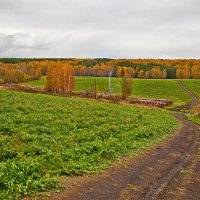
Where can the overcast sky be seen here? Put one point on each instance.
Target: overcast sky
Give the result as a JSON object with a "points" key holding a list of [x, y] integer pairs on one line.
{"points": [[100, 28]]}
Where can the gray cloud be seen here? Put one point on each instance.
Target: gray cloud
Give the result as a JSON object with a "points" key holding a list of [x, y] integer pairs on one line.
{"points": [[100, 28], [12, 44]]}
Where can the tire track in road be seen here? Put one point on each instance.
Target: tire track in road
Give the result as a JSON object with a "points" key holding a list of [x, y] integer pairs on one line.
{"points": [[159, 187]]}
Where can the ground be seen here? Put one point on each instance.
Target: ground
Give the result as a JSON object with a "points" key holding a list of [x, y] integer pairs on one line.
{"points": [[170, 171]]}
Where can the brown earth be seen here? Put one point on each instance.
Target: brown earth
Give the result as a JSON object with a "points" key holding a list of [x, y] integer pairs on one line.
{"points": [[2, 87], [168, 171]]}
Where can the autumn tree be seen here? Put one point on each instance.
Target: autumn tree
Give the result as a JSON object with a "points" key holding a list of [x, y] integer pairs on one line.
{"points": [[164, 74], [60, 78], [196, 72], [14, 76], [126, 87], [183, 72], [156, 72], [187, 72], [141, 74], [147, 74]]}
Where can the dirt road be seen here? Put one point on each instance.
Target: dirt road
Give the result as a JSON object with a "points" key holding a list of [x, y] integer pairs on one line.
{"points": [[169, 171], [194, 98]]}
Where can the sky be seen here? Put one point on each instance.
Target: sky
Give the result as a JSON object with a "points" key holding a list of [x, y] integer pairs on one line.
{"points": [[100, 28]]}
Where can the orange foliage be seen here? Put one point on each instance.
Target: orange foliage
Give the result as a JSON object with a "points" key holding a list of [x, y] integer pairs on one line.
{"points": [[196, 72], [60, 78], [17, 73], [183, 72], [130, 68], [141, 74], [126, 87], [156, 72]]}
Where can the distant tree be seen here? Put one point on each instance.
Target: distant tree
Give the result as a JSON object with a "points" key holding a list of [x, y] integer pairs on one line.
{"points": [[119, 71], [164, 74], [183, 72], [60, 78], [141, 74], [187, 72], [156, 72], [171, 72], [147, 74], [126, 87], [196, 72]]}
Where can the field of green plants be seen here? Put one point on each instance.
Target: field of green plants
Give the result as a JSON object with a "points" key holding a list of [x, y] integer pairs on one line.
{"points": [[45, 137], [148, 88], [194, 86]]}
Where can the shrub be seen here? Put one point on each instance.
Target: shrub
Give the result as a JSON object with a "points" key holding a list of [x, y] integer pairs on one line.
{"points": [[126, 87]]}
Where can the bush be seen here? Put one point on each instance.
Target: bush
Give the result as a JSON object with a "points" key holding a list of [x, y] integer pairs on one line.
{"points": [[126, 87], [1, 81]]}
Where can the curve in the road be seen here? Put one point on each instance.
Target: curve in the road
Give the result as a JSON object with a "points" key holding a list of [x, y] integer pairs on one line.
{"points": [[159, 187], [145, 177], [194, 98]]}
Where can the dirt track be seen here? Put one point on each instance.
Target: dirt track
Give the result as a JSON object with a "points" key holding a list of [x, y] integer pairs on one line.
{"points": [[194, 98], [169, 171]]}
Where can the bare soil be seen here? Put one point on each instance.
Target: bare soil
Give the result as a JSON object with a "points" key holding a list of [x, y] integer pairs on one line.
{"points": [[2, 87]]}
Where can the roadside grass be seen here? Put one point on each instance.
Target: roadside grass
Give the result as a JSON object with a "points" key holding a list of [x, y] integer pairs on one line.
{"points": [[194, 118], [147, 88], [45, 137]]}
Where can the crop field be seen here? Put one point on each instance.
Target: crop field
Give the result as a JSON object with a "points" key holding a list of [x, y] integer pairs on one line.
{"points": [[44, 137], [148, 88], [194, 86]]}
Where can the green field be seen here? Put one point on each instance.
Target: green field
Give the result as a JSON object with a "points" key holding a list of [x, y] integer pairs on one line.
{"points": [[148, 88], [45, 137], [193, 85], [37, 83], [193, 118]]}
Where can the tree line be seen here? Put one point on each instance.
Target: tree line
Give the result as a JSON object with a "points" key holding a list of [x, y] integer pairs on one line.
{"points": [[17, 73], [14, 71]]}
